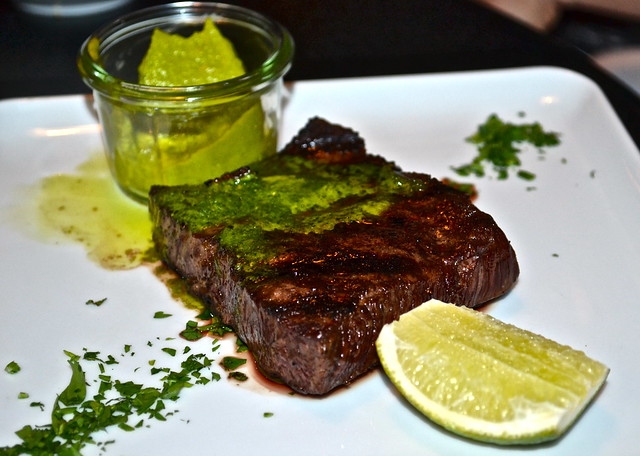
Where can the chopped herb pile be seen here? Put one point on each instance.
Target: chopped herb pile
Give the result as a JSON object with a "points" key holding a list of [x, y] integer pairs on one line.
{"points": [[78, 414], [499, 144], [127, 405]]}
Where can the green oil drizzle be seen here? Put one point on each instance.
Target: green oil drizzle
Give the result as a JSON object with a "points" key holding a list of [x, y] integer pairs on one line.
{"points": [[86, 207]]}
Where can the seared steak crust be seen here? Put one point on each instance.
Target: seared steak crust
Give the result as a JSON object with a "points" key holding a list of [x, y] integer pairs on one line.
{"points": [[313, 321]]}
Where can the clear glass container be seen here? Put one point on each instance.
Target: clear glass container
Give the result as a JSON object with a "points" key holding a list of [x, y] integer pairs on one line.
{"points": [[184, 135], [68, 8]]}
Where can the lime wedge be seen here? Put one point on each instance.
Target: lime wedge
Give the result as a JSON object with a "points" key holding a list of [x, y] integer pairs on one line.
{"points": [[485, 379]]}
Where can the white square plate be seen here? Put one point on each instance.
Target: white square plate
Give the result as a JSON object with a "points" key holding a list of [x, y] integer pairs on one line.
{"points": [[575, 234]]}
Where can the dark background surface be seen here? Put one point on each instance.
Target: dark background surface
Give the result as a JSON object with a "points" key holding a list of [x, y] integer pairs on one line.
{"points": [[347, 38]]}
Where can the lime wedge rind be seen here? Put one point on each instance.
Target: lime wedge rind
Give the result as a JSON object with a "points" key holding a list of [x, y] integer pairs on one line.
{"points": [[460, 385]]}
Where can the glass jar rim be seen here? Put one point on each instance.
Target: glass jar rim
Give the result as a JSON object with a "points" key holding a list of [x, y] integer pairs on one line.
{"points": [[272, 68]]}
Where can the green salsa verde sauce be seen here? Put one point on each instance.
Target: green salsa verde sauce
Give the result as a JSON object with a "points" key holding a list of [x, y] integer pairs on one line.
{"points": [[285, 193]]}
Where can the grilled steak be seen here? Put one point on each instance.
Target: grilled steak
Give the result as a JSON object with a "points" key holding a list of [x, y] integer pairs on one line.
{"points": [[308, 253]]}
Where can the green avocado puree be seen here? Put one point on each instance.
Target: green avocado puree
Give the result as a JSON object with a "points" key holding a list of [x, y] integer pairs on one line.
{"points": [[204, 57], [186, 141]]}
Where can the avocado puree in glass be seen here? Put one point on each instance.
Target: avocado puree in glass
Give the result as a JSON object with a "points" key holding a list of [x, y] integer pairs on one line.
{"points": [[187, 141], [203, 58]]}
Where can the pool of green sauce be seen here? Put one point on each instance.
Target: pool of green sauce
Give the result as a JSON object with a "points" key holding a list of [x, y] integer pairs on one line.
{"points": [[86, 208], [285, 193]]}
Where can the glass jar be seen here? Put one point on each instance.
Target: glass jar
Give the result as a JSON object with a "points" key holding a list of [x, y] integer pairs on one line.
{"points": [[185, 135]]}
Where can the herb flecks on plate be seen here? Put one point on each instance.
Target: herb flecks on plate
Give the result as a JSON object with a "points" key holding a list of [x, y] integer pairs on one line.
{"points": [[12, 368], [194, 331], [499, 144], [78, 415]]}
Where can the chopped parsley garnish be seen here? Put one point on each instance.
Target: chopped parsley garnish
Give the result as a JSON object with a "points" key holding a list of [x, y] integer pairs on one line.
{"points": [[12, 368], [160, 314], [91, 356], [170, 351], [77, 416], [193, 331], [239, 376], [241, 347], [40, 405], [526, 175], [499, 144], [97, 303], [230, 363], [86, 407]]}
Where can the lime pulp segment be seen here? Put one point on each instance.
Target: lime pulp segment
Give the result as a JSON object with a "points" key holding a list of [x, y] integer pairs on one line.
{"points": [[485, 379]]}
